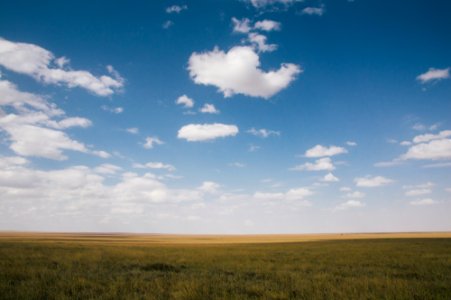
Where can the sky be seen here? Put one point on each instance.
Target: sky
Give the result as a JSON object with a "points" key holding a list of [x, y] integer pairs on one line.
{"points": [[225, 116]]}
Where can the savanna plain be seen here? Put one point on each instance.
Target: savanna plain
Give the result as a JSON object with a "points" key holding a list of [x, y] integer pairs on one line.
{"points": [[131, 266]]}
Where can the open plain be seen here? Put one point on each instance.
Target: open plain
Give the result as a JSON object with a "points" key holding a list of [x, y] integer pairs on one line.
{"points": [[154, 266]]}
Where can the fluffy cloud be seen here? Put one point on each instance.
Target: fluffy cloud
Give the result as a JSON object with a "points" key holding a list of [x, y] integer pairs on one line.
{"points": [[241, 26], [322, 164], [185, 101], [433, 75], [329, 177], [320, 151], [152, 141], [267, 25], [418, 190], [355, 195], [238, 72], [433, 150], [176, 9], [259, 43], [205, 132], [430, 137], [209, 109], [372, 181], [313, 11], [41, 64], [34, 126], [351, 143], [263, 133]]}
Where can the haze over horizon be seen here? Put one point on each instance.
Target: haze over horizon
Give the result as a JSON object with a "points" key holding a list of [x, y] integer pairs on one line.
{"points": [[225, 117]]}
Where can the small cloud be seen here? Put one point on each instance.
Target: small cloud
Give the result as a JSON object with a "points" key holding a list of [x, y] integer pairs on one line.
{"points": [[321, 151], [114, 110], [423, 202], [313, 11], [433, 75], [329, 177], [374, 181], [267, 25], [176, 9], [167, 24], [350, 143], [345, 189], [155, 165], [355, 195], [237, 165], [241, 26], [205, 132], [132, 130], [350, 204], [152, 141], [322, 164], [185, 101], [209, 187], [263, 133], [253, 148], [209, 109]]}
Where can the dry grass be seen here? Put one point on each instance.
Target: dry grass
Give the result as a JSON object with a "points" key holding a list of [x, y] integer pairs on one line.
{"points": [[128, 266]]}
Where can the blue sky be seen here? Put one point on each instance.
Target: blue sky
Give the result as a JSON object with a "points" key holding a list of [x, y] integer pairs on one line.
{"points": [[259, 116]]}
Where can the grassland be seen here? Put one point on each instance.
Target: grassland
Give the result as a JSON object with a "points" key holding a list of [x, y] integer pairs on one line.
{"points": [[97, 266]]}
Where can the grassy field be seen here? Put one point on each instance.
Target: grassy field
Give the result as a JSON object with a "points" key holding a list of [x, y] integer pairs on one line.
{"points": [[351, 266]]}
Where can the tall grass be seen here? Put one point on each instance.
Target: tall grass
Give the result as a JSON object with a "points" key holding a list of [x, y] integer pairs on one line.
{"points": [[353, 269]]}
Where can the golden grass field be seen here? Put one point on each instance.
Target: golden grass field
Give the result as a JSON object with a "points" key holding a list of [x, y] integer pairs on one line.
{"points": [[164, 266], [210, 239]]}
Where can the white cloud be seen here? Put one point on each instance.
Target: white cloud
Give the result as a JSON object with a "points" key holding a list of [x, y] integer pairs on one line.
{"points": [[263, 3], [430, 137], [114, 110], [133, 130], [152, 141], [423, 202], [433, 150], [345, 189], [267, 25], [209, 187], [185, 101], [35, 127], [205, 132], [438, 165], [350, 204], [295, 194], [320, 151], [156, 165], [313, 11], [351, 143], [241, 26], [322, 164], [419, 189], [329, 177], [238, 72], [405, 143], [263, 133], [433, 75], [35, 61], [374, 181], [176, 9], [100, 153], [258, 41], [108, 169], [209, 109]]}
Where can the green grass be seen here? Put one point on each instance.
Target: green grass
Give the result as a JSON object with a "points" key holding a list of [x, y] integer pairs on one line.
{"points": [[341, 269]]}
